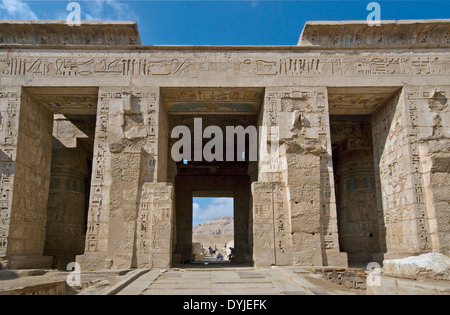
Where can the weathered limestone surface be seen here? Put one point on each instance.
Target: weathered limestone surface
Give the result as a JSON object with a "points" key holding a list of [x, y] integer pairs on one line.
{"points": [[402, 286], [431, 266], [60, 33], [416, 275], [296, 117], [398, 34], [25, 182], [324, 191], [124, 162], [272, 242]]}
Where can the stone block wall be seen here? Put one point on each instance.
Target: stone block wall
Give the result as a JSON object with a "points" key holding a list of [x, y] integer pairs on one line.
{"points": [[26, 156]]}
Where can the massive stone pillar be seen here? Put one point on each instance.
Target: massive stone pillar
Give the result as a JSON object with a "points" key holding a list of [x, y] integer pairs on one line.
{"points": [[124, 165], [414, 170], [300, 174], [25, 148]]}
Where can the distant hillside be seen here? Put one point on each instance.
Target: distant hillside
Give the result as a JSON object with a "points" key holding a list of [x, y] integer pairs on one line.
{"points": [[219, 226]]}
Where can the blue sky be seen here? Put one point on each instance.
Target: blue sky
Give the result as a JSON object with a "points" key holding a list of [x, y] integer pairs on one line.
{"points": [[246, 22], [206, 209]]}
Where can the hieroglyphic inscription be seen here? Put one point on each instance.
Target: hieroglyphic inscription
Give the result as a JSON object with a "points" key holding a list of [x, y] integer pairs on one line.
{"points": [[193, 67], [151, 98], [154, 227], [396, 132], [271, 222], [154, 218], [98, 217], [9, 115], [416, 97]]}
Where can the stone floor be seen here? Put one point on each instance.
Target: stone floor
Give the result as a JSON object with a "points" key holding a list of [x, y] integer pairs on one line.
{"points": [[230, 281], [195, 279]]}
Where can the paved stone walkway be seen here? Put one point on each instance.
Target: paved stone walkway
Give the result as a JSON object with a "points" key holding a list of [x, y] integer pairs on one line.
{"points": [[229, 281]]}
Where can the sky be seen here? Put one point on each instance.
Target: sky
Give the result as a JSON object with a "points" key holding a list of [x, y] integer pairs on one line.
{"points": [[206, 209], [245, 22]]}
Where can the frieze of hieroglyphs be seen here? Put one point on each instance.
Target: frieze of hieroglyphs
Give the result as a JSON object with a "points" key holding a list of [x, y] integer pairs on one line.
{"points": [[59, 103], [380, 64]]}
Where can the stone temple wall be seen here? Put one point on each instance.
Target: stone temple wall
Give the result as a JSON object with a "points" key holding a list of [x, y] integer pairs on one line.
{"points": [[327, 189]]}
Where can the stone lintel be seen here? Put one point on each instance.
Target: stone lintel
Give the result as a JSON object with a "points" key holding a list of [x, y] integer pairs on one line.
{"points": [[30, 32], [359, 34]]}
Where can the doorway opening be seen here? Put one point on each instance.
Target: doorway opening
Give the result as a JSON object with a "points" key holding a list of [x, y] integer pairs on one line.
{"points": [[356, 197], [212, 229], [69, 132], [69, 191], [361, 124], [213, 141], [215, 181]]}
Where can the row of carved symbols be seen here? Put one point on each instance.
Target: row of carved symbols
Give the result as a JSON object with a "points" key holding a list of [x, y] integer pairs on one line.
{"points": [[161, 209], [8, 132], [3, 243], [269, 209], [8, 125], [97, 204], [416, 164], [173, 66], [152, 105], [143, 219]]}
